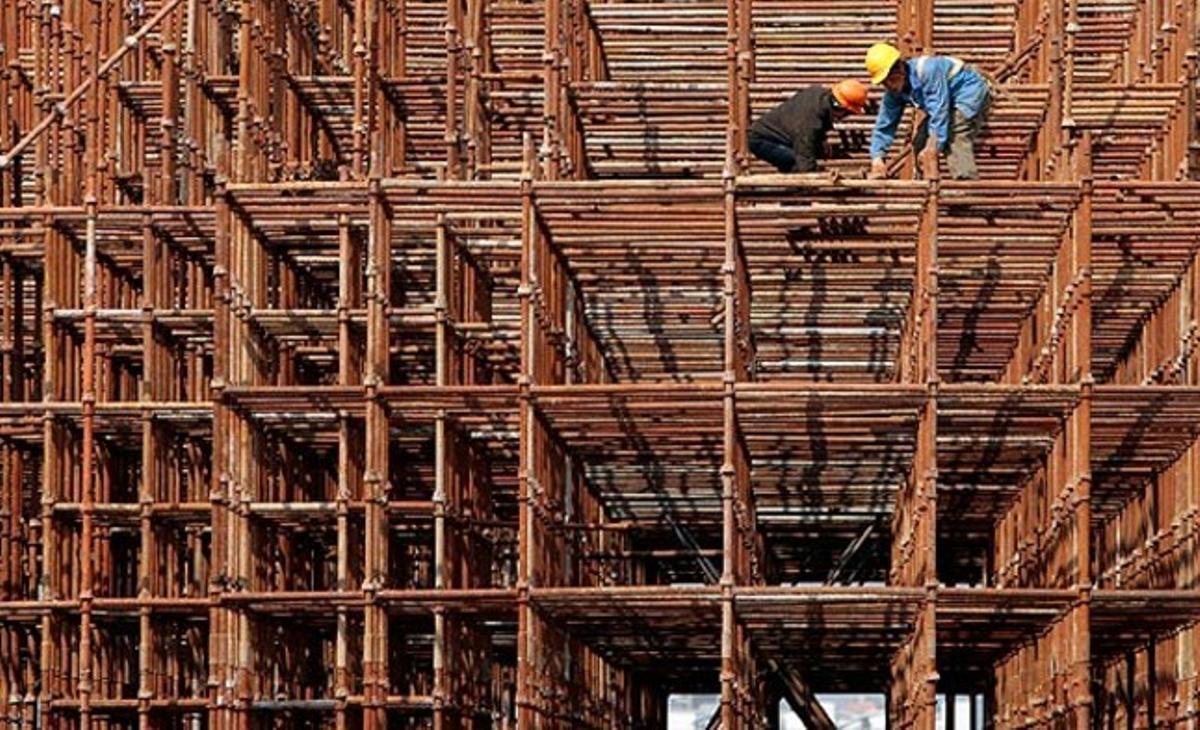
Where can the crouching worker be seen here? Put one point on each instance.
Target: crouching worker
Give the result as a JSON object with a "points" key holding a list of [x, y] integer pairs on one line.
{"points": [[956, 99], [792, 135]]}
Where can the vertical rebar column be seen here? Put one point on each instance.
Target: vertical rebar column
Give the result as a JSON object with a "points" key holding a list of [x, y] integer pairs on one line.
{"points": [[730, 664], [734, 122], [478, 128], [243, 153], [10, 121], [362, 51], [348, 374], [229, 640], [48, 585], [441, 295], [1052, 129], [913, 695], [452, 136], [925, 462], [151, 280], [552, 91], [11, 527], [168, 189], [745, 76], [375, 620], [742, 548], [914, 26], [88, 386], [1070, 53], [573, 147], [219, 617], [526, 711], [1192, 106], [1081, 426], [12, 531], [195, 106]]}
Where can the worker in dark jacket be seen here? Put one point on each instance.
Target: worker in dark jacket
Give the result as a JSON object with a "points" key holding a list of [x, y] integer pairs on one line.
{"points": [[792, 135]]}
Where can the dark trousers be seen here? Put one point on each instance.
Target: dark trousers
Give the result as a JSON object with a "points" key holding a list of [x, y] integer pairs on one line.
{"points": [[768, 150]]}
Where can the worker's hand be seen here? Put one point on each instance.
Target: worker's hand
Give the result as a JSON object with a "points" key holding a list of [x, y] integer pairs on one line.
{"points": [[878, 170], [928, 159]]}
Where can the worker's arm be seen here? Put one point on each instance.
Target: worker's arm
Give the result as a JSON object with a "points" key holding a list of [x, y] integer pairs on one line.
{"points": [[936, 85], [891, 110], [806, 148]]}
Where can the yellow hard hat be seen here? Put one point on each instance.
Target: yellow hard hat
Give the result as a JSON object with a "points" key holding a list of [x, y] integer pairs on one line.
{"points": [[880, 59]]}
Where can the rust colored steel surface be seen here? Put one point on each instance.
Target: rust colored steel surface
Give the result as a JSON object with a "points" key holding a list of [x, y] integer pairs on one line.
{"points": [[378, 364]]}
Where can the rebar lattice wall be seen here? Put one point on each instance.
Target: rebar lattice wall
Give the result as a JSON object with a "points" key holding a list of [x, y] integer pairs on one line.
{"points": [[406, 363]]}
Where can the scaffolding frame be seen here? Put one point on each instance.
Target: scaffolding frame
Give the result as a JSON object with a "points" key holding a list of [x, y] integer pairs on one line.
{"points": [[423, 363]]}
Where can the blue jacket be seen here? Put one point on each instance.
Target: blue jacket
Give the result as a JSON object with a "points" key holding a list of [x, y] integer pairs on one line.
{"points": [[933, 91]]}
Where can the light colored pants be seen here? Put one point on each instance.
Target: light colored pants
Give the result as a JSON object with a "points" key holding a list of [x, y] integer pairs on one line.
{"points": [[961, 157]]}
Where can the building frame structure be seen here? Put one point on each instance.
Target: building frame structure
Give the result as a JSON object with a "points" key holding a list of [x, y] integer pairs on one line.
{"points": [[449, 363]]}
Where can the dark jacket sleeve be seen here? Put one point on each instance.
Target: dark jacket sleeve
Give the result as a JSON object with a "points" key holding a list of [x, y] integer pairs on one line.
{"points": [[808, 147]]}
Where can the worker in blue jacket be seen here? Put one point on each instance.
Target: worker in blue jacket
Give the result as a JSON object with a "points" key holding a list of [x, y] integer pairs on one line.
{"points": [[956, 99]]}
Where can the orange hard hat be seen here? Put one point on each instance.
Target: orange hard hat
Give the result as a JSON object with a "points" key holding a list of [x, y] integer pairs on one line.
{"points": [[851, 94]]}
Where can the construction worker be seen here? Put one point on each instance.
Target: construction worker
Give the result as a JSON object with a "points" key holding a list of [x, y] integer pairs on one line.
{"points": [[956, 99], [792, 135]]}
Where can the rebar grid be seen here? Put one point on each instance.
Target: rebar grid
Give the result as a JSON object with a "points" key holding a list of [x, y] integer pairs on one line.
{"points": [[423, 363]]}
